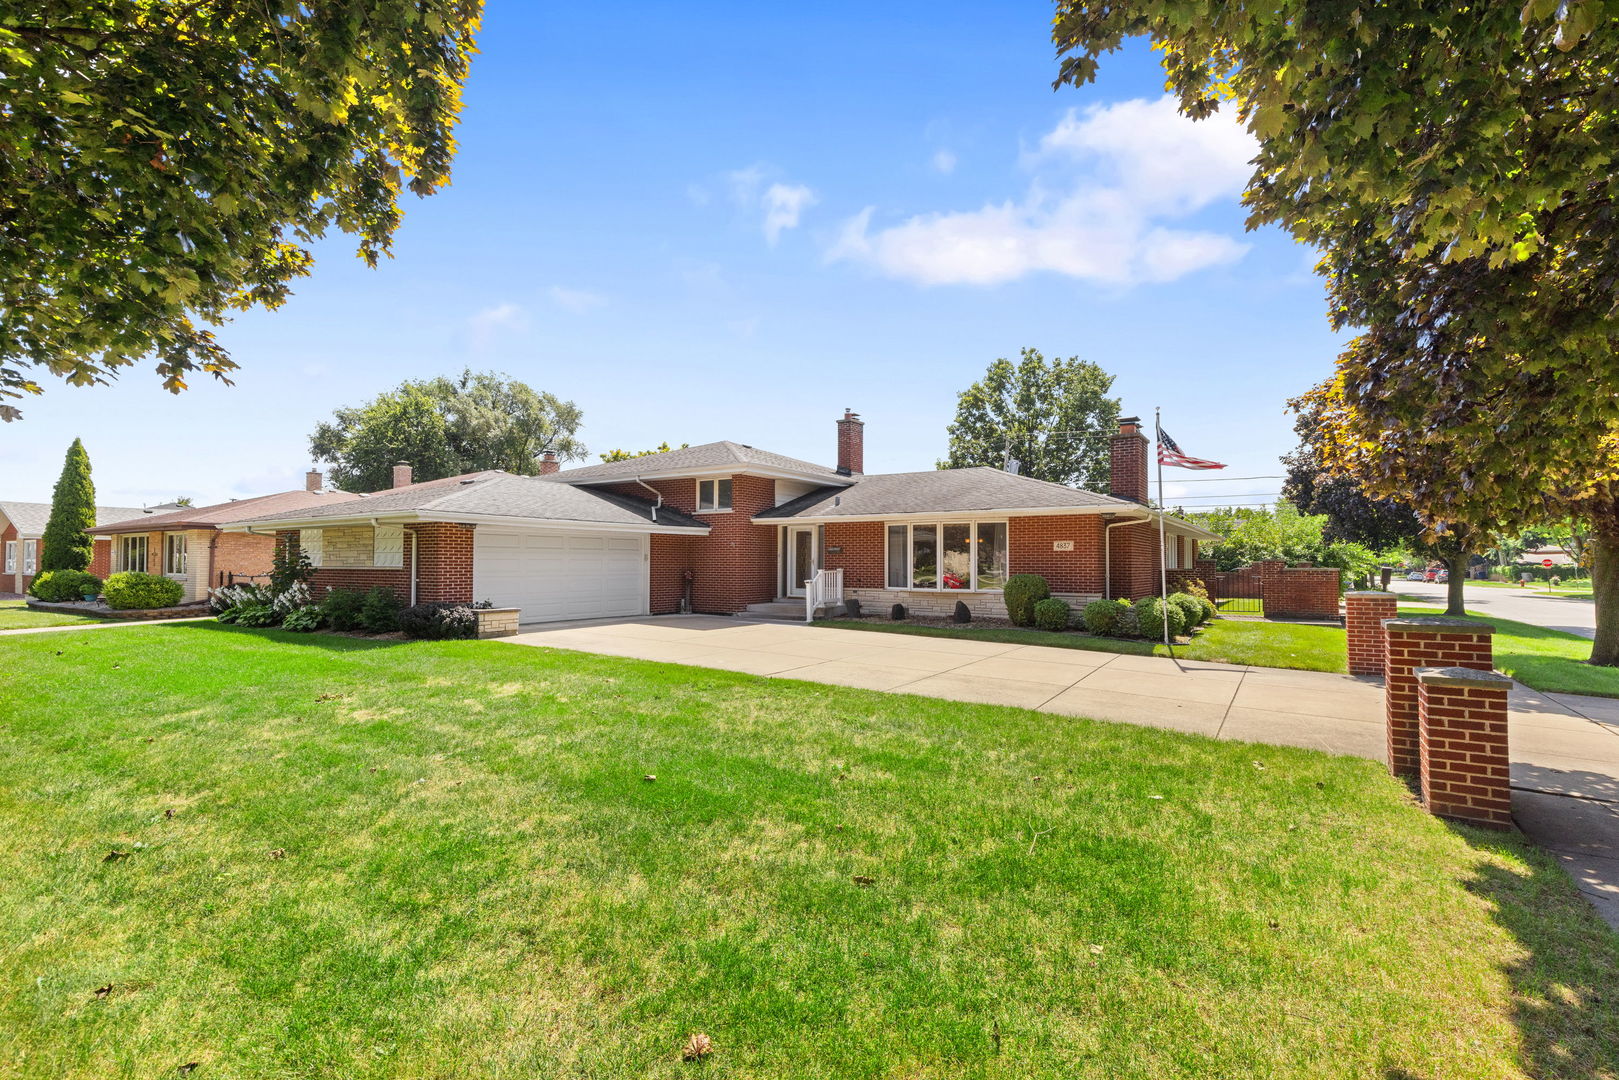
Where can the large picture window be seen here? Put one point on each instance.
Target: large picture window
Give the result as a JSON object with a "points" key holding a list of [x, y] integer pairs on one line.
{"points": [[962, 556], [132, 553]]}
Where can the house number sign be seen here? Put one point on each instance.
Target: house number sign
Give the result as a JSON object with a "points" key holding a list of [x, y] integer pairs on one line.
{"points": [[1062, 545]]}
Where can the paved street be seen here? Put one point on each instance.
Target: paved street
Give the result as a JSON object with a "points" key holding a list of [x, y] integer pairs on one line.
{"points": [[1553, 612]]}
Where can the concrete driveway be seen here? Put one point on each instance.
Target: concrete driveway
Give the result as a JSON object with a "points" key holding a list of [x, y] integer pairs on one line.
{"points": [[1313, 709], [1564, 748]]}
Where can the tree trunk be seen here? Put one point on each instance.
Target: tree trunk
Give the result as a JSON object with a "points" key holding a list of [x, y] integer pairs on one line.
{"points": [[1454, 589], [1603, 549]]}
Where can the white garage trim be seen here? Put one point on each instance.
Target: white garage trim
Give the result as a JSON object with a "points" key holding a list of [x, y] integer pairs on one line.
{"points": [[557, 574]]}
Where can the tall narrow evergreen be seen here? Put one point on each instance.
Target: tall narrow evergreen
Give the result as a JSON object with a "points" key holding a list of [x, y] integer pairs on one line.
{"points": [[67, 546]]}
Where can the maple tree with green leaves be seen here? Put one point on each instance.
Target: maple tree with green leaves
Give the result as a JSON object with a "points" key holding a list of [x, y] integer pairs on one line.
{"points": [[164, 164], [1455, 167]]}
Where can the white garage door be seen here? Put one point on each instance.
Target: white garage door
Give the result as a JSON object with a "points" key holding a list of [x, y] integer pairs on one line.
{"points": [[560, 575]]}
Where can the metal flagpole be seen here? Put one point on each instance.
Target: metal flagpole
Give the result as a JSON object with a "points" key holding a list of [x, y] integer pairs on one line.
{"points": [[1163, 560]]}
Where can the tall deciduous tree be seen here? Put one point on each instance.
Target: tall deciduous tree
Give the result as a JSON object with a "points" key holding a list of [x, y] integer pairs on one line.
{"points": [[164, 163], [1455, 166], [66, 544], [445, 427], [1051, 417]]}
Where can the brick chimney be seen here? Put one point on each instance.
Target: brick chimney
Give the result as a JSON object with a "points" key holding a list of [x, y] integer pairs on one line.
{"points": [[851, 444], [1127, 472], [401, 475], [549, 463], [312, 480]]}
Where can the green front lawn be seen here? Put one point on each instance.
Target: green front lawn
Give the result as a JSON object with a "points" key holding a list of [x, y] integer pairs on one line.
{"points": [[294, 856], [1544, 659], [14, 615], [1228, 641]]}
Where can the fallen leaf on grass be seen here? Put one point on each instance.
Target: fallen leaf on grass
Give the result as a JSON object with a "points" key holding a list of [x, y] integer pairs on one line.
{"points": [[649, 777], [114, 855], [328, 697], [698, 1047], [278, 853], [1096, 950], [103, 991], [862, 879], [185, 1069]]}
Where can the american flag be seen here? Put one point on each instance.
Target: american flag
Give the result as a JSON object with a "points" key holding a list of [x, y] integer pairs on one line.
{"points": [[1169, 453]]}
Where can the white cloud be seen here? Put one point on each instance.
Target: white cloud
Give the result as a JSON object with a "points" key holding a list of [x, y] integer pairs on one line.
{"points": [[1105, 184], [489, 322], [783, 204], [944, 161], [576, 300]]}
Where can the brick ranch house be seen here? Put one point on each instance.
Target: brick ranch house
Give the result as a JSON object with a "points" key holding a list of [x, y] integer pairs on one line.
{"points": [[22, 530], [190, 545], [721, 527]]}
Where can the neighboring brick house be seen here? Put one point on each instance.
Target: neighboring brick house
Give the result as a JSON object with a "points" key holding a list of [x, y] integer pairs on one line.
{"points": [[189, 543], [22, 530], [724, 526]]}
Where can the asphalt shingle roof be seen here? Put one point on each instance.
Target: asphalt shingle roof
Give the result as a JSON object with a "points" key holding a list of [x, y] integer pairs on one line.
{"points": [[714, 455], [940, 491], [499, 494], [202, 517], [30, 518]]}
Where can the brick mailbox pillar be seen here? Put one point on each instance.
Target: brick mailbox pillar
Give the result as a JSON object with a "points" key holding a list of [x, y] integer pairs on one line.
{"points": [[1424, 641], [1364, 614], [1462, 723]]}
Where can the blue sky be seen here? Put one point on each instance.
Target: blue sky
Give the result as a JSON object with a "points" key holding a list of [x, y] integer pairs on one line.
{"points": [[707, 221]]}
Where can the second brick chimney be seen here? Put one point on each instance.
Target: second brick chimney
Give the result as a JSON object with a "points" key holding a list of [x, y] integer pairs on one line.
{"points": [[549, 463], [401, 475], [1127, 474], [851, 444], [312, 480]]}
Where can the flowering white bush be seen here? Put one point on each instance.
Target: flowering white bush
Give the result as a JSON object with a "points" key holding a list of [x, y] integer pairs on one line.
{"points": [[291, 599], [228, 596]]}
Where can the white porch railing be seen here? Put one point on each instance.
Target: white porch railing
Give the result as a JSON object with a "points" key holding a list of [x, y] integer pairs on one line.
{"points": [[826, 587]]}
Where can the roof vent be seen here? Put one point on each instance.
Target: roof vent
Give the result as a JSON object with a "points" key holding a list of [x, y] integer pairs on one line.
{"points": [[470, 480]]}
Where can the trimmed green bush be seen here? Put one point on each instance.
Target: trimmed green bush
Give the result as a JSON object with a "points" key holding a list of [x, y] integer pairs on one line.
{"points": [[1209, 610], [55, 586], [302, 620], [1191, 611], [1021, 592], [1052, 614], [254, 615], [1150, 618], [133, 590], [341, 608], [439, 622], [379, 614], [1128, 623], [1101, 617]]}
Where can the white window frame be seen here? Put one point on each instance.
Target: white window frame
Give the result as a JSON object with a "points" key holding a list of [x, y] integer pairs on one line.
{"points": [[11, 556], [388, 547], [1172, 551], [127, 541], [30, 556], [938, 540], [312, 542], [169, 551], [715, 508]]}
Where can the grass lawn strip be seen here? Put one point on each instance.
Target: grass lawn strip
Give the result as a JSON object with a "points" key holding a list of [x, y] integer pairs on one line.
{"points": [[14, 615], [290, 855], [1549, 660], [1231, 641]]}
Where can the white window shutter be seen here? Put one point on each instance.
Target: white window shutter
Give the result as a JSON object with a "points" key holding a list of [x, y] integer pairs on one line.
{"points": [[389, 546]]}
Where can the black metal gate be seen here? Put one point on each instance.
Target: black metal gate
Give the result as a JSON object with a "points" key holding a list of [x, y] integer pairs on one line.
{"points": [[1238, 607]]}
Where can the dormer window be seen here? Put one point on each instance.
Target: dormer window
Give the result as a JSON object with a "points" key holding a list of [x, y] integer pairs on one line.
{"points": [[714, 495]]}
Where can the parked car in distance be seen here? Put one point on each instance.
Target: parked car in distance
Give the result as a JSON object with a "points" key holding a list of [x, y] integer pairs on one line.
{"points": [[1415, 575], [1442, 577]]}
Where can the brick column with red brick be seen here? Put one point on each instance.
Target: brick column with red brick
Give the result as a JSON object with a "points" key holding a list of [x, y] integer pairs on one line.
{"points": [[1462, 724], [1364, 613], [1424, 641]]}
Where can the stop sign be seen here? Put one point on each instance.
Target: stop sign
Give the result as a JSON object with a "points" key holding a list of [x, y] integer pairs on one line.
{"points": [[1546, 563]]}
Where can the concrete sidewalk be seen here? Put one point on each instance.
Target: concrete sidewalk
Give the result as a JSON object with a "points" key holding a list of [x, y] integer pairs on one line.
{"points": [[1565, 749]]}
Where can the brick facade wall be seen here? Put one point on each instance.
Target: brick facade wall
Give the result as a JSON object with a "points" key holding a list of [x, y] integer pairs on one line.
{"points": [[240, 555], [863, 555], [1127, 465], [1363, 625], [736, 563], [1289, 592], [670, 558]]}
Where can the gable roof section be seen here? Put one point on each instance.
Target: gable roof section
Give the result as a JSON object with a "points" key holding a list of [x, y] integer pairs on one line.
{"points": [[692, 460], [943, 491], [30, 518], [210, 517], [492, 495]]}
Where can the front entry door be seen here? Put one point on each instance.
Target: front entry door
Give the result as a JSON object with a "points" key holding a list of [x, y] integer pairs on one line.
{"points": [[800, 558]]}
